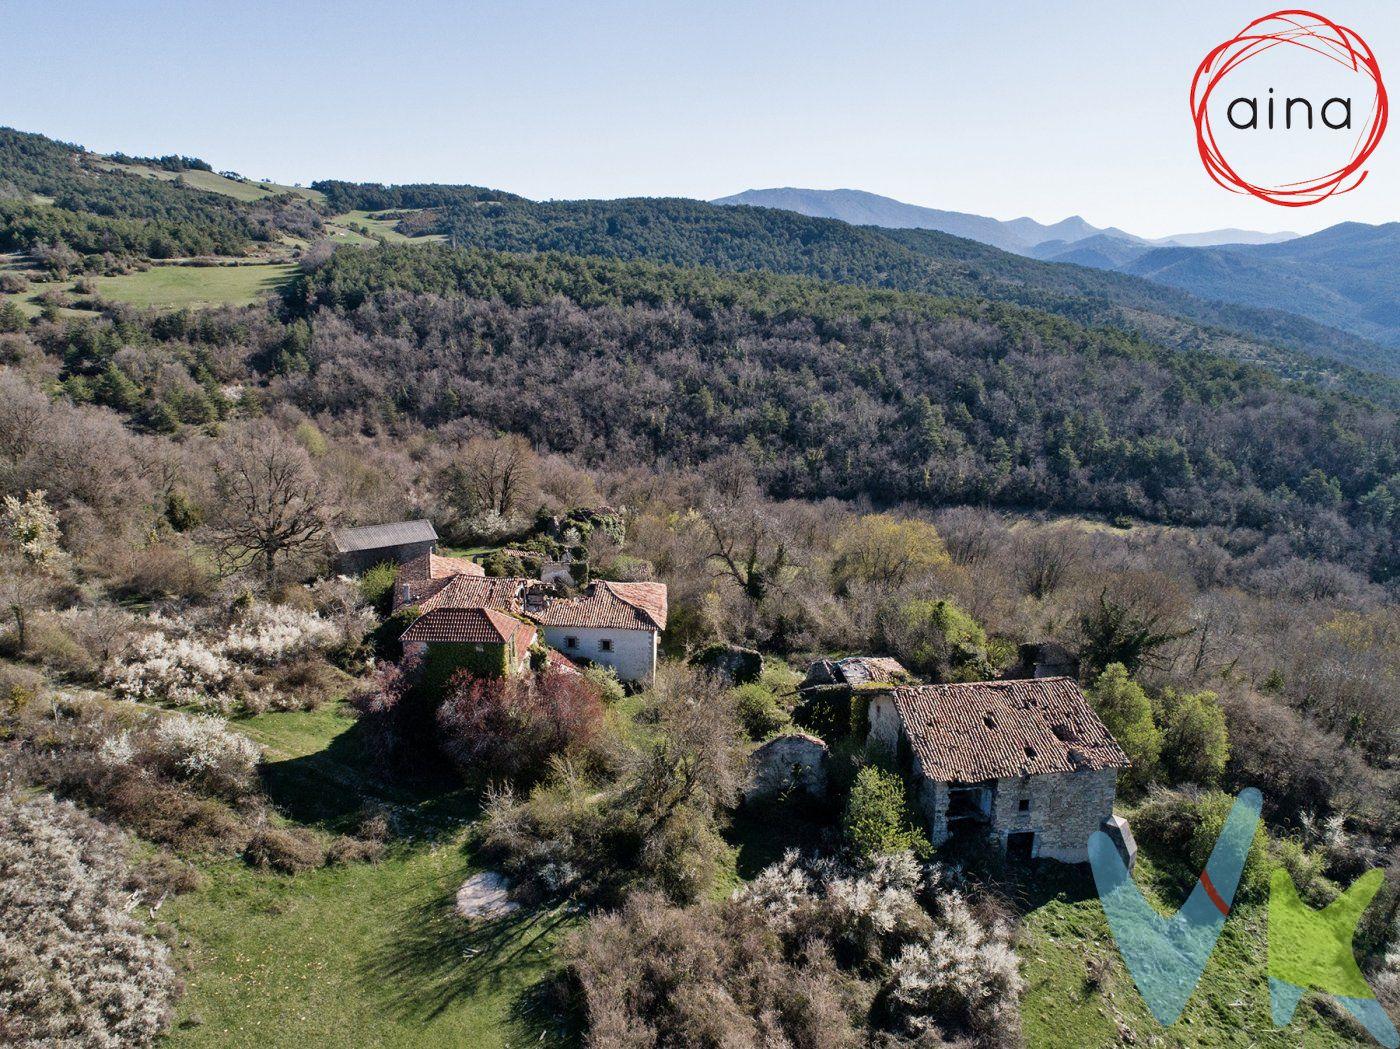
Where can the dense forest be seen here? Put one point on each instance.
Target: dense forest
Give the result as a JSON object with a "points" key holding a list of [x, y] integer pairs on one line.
{"points": [[51, 192], [693, 233]]}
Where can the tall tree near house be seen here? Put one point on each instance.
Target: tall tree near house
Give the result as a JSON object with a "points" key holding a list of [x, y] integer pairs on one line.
{"points": [[495, 476], [1131, 627], [270, 503], [749, 545]]}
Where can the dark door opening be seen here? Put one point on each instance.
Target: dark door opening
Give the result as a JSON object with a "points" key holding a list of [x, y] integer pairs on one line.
{"points": [[1020, 845]]}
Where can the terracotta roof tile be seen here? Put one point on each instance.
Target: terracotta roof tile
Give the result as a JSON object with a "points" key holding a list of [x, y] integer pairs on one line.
{"points": [[468, 626], [619, 606], [989, 729]]}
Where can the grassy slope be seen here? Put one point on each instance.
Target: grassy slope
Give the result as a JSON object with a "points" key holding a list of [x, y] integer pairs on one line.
{"points": [[174, 286], [1065, 930], [342, 228], [211, 182], [359, 955], [373, 955]]}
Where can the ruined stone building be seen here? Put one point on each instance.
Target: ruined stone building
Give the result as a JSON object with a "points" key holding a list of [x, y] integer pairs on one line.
{"points": [[1026, 761]]}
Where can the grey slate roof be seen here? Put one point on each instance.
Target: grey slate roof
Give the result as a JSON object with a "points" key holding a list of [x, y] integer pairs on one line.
{"points": [[376, 537]]}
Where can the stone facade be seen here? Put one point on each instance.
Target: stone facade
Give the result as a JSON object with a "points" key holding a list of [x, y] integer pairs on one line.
{"points": [[1061, 809], [796, 760], [354, 562]]}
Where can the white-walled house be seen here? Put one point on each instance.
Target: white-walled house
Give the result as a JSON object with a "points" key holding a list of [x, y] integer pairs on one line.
{"points": [[614, 624]]}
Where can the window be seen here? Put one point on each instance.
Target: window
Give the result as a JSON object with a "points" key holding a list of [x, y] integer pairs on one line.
{"points": [[477, 648], [571, 642], [1024, 805], [605, 645]]}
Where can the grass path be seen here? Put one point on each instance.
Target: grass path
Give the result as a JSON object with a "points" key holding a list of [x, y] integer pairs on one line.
{"points": [[362, 955]]}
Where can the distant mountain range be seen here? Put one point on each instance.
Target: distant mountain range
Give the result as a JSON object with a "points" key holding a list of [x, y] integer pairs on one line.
{"points": [[1346, 277], [1025, 236]]}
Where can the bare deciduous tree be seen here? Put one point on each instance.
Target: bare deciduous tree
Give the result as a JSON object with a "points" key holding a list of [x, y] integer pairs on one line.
{"points": [[270, 504], [491, 475]]}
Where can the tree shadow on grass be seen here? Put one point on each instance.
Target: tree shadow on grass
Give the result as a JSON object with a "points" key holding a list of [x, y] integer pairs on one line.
{"points": [[436, 958], [333, 787], [762, 832]]}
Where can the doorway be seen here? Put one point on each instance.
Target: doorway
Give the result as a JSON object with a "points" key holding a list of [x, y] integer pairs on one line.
{"points": [[1020, 846]]}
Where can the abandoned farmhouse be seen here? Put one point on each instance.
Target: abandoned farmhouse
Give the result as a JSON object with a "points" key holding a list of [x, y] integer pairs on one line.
{"points": [[1026, 760], [1023, 760]]}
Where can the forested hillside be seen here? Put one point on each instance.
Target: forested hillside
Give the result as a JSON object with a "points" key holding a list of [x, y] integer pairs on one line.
{"points": [[691, 233], [53, 193], [258, 817]]}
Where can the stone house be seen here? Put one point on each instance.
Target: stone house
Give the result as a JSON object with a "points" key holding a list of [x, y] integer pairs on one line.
{"points": [[615, 624], [397, 542], [482, 640], [1026, 761]]}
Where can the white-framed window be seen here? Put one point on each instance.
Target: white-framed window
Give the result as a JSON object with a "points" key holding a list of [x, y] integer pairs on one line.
{"points": [[605, 644], [478, 648]]}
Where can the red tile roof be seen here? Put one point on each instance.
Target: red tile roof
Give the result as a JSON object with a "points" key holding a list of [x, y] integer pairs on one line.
{"points": [[426, 575], [617, 606], [989, 729], [469, 626]]}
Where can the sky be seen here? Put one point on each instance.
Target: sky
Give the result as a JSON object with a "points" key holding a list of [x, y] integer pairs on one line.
{"points": [[1004, 109]]}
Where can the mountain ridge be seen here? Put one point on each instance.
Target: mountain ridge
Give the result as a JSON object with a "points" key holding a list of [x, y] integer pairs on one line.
{"points": [[1021, 235]]}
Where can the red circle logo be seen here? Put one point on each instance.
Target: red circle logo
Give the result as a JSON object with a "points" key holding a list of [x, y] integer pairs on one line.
{"points": [[1322, 38]]}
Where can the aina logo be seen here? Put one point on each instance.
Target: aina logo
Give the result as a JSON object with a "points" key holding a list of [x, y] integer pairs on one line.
{"points": [[1308, 949], [1290, 110]]}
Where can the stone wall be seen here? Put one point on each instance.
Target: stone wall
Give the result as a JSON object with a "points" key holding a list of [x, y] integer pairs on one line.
{"points": [[784, 763], [1065, 809], [358, 561]]}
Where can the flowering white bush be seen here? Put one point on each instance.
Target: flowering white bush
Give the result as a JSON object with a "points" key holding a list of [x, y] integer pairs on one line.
{"points": [[964, 973], [272, 633], [75, 967], [176, 670], [945, 971], [202, 749], [116, 751]]}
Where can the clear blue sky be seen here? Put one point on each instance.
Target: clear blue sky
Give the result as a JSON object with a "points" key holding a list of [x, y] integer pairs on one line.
{"points": [[1001, 108]]}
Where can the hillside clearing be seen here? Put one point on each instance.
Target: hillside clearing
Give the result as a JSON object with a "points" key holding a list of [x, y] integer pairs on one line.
{"points": [[367, 954], [212, 182], [168, 287]]}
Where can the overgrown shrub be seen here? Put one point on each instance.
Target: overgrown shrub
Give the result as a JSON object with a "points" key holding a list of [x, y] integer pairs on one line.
{"points": [[76, 967], [201, 749], [509, 727], [877, 820], [377, 586], [288, 850], [759, 711], [180, 671], [1126, 712], [653, 974], [605, 682]]}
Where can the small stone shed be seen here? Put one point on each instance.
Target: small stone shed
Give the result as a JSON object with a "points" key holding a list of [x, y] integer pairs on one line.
{"points": [[796, 761], [1027, 761], [396, 542]]}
